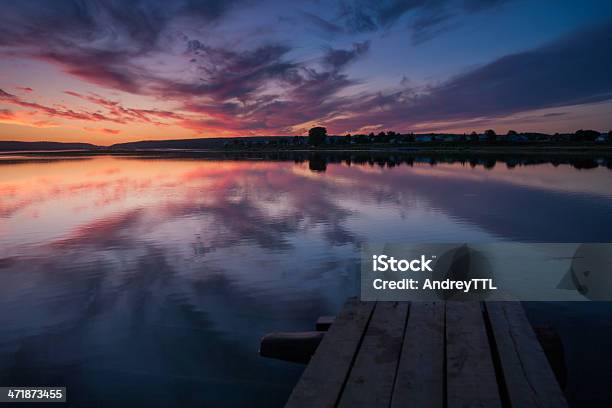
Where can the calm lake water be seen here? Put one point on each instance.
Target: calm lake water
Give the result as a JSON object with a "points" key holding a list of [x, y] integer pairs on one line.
{"points": [[149, 281]]}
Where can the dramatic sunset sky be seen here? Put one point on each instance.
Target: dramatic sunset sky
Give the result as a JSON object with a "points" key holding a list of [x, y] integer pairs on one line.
{"points": [[112, 71]]}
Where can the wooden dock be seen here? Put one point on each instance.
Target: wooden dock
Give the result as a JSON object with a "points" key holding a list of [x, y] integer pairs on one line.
{"points": [[429, 354]]}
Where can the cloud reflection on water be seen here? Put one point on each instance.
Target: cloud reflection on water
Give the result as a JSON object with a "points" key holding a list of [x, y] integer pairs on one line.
{"points": [[167, 271]]}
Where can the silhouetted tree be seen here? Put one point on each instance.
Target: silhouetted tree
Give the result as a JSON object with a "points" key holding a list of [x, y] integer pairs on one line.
{"points": [[317, 136], [491, 135], [586, 135], [473, 137], [512, 133]]}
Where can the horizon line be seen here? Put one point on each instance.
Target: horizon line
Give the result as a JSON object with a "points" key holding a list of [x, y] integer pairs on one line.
{"points": [[291, 136]]}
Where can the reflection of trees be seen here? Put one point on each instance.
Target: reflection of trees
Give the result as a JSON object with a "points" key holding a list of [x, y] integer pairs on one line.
{"points": [[489, 164], [317, 162]]}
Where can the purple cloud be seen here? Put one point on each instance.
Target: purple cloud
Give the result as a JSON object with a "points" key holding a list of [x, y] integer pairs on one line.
{"points": [[264, 87], [569, 71]]}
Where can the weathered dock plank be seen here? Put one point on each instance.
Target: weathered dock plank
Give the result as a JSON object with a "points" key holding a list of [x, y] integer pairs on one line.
{"points": [[420, 374], [370, 382], [471, 380], [429, 354], [527, 375], [324, 377]]}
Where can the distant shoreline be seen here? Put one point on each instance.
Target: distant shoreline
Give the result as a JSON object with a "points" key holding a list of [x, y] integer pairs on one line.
{"points": [[427, 148]]}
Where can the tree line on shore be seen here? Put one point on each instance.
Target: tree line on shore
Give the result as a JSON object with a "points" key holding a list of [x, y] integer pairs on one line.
{"points": [[317, 136]]}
